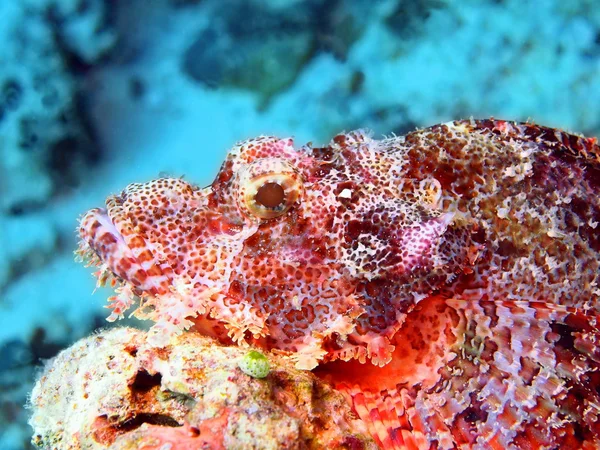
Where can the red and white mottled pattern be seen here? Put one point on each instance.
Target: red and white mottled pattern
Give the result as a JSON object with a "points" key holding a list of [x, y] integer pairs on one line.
{"points": [[446, 280]]}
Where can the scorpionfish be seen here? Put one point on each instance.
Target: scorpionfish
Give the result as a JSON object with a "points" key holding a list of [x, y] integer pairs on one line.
{"points": [[446, 281]]}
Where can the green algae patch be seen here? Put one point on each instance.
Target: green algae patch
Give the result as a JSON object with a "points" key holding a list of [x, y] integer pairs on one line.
{"points": [[255, 364]]}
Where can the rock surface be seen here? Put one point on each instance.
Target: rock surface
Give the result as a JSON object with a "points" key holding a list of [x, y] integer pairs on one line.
{"points": [[113, 390]]}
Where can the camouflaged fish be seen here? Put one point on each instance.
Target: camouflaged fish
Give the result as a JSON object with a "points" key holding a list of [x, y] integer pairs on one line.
{"points": [[447, 281]]}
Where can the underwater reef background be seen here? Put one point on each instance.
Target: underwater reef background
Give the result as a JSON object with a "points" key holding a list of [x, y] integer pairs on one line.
{"points": [[95, 94]]}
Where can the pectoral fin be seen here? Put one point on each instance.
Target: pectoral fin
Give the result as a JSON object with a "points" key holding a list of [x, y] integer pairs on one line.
{"points": [[482, 374]]}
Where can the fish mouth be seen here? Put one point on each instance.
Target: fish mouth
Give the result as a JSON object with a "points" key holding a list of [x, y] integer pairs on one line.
{"points": [[99, 231], [103, 244]]}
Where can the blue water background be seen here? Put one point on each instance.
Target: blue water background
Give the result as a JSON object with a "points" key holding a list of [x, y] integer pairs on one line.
{"points": [[98, 94]]}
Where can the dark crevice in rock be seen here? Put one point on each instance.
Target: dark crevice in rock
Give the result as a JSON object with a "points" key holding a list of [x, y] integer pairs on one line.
{"points": [[144, 382], [149, 418], [106, 432]]}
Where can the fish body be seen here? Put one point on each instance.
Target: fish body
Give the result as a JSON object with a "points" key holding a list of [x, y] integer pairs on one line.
{"points": [[447, 280]]}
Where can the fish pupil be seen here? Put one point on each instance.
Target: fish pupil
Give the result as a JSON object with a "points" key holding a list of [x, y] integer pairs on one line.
{"points": [[270, 195]]}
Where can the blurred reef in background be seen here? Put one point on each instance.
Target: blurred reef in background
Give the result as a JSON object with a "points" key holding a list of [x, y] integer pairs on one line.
{"points": [[95, 94]]}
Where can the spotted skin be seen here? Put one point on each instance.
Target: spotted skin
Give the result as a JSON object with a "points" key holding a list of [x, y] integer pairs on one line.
{"points": [[446, 280]]}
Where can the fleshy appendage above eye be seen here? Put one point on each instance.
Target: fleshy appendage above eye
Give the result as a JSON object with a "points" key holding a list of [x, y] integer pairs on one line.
{"points": [[267, 188]]}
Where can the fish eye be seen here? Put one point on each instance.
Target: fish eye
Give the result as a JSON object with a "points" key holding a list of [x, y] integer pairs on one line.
{"points": [[268, 188], [270, 195]]}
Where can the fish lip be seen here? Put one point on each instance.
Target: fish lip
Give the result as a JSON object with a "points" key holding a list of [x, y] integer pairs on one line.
{"points": [[98, 219], [101, 215], [100, 235]]}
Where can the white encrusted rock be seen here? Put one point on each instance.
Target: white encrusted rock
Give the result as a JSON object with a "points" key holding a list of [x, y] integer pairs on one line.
{"points": [[114, 390]]}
